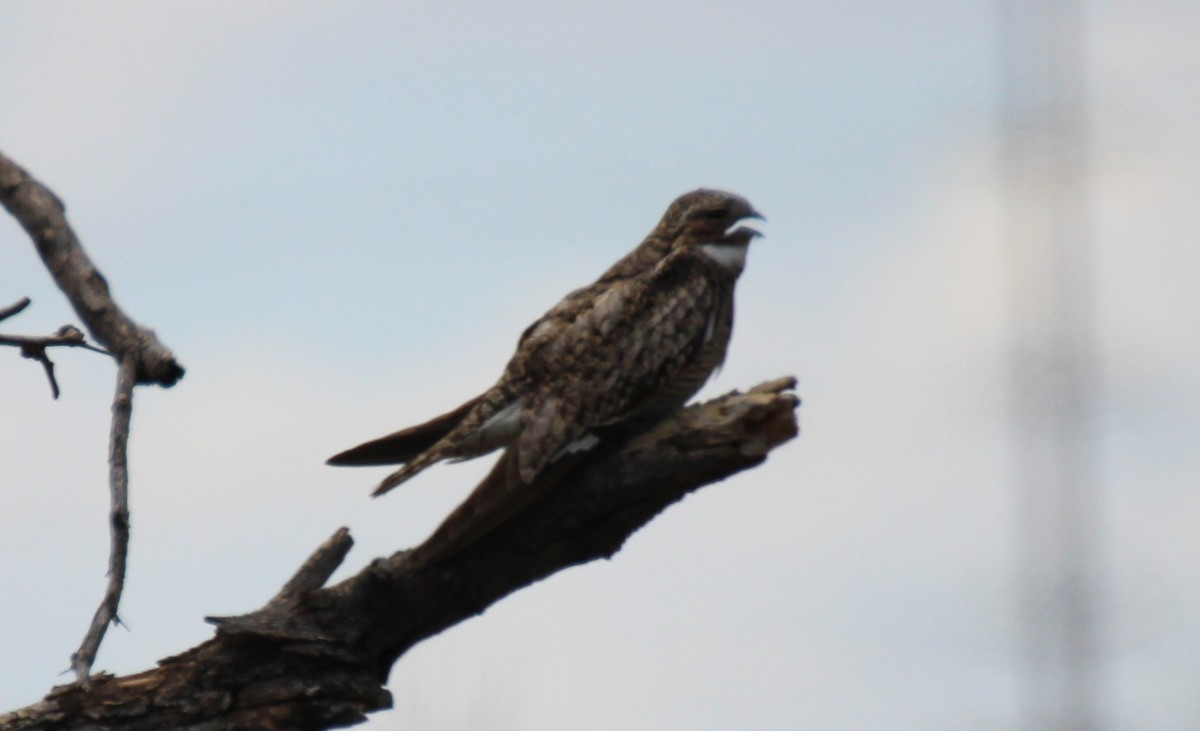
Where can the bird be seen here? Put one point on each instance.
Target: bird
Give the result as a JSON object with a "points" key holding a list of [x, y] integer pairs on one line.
{"points": [[627, 349]]}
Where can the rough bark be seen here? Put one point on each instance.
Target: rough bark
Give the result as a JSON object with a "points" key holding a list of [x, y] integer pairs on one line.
{"points": [[317, 657]]}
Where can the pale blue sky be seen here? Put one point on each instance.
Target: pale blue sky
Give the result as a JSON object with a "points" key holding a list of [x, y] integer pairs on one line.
{"points": [[341, 215]]}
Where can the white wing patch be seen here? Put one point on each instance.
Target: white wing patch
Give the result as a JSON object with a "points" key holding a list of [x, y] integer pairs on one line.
{"points": [[582, 444], [728, 256], [496, 432], [503, 425]]}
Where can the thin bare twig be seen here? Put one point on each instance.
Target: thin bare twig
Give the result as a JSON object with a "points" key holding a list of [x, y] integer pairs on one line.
{"points": [[39, 354], [34, 348], [67, 336], [118, 482], [14, 308]]}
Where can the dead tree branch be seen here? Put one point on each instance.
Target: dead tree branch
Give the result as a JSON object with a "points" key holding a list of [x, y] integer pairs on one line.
{"points": [[318, 656], [141, 358]]}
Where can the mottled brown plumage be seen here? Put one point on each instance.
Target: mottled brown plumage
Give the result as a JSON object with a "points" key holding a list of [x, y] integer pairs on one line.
{"points": [[632, 346]]}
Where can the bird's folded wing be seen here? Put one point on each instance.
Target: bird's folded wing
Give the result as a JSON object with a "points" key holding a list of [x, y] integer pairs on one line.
{"points": [[621, 358]]}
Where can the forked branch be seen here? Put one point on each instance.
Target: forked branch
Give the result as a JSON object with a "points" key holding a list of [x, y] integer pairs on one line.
{"points": [[140, 357], [34, 347]]}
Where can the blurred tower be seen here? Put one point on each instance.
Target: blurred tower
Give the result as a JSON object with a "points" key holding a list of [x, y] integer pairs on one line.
{"points": [[1045, 168]]}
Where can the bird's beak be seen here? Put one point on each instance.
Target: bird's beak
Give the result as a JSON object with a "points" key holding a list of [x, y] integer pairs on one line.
{"points": [[737, 227], [744, 231]]}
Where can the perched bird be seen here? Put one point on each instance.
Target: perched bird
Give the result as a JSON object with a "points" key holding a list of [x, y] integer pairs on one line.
{"points": [[629, 348]]}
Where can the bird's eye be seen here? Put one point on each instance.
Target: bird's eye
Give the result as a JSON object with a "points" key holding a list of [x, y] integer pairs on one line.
{"points": [[715, 214]]}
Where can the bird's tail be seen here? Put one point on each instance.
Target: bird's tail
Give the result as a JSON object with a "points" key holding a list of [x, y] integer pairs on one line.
{"points": [[405, 444]]}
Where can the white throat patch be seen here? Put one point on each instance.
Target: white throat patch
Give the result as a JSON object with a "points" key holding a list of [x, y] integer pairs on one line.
{"points": [[728, 256]]}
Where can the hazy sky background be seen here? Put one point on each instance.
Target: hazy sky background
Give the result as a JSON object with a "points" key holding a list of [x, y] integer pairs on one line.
{"points": [[340, 216]]}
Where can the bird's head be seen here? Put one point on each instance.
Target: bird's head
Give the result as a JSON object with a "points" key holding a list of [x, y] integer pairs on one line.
{"points": [[707, 216], [701, 217], [709, 221]]}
